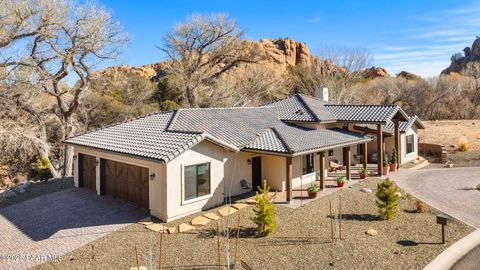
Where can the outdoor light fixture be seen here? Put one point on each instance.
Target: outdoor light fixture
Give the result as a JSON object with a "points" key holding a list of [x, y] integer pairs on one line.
{"points": [[74, 156], [96, 162], [152, 176], [249, 161], [442, 220]]}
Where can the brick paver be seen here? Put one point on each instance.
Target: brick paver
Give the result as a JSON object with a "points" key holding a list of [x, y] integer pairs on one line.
{"points": [[450, 190], [47, 227]]}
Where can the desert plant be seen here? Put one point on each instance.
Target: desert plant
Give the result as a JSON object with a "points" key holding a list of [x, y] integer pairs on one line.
{"points": [[463, 145], [43, 169], [264, 211], [393, 159], [387, 199], [421, 207], [314, 188]]}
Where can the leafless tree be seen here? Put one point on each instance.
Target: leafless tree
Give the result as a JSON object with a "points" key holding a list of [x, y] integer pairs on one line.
{"points": [[472, 70], [349, 66], [80, 37], [202, 49]]}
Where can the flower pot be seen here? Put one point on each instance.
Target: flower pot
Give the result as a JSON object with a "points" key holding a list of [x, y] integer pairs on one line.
{"points": [[385, 170], [312, 195], [363, 176], [393, 167], [340, 184]]}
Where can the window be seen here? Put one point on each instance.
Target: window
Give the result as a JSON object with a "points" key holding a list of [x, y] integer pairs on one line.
{"points": [[410, 144], [307, 162], [197, 181]]}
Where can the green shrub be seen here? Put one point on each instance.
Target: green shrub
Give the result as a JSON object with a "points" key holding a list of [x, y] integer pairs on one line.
{"points": [[385, 159], [43, 169], [387, 200], [394, 160], [314, 188], [341, 179], [264, 211], [365, 171]]}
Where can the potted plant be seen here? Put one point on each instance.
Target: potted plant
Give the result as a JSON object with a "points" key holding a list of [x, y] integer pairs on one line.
{"points": [[312, 191], [364, 173], [393, 160], [341, 181], [385, 164]]}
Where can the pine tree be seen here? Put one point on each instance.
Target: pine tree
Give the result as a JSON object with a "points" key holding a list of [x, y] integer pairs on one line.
{"points": [[387, 200], [394, 160], [264, 211]]}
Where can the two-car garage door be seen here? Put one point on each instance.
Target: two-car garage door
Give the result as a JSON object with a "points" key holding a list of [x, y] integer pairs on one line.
{"points": [[120, 180]]}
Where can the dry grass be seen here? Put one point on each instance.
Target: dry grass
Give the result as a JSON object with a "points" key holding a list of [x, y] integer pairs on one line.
{"points": [[448, 132]]}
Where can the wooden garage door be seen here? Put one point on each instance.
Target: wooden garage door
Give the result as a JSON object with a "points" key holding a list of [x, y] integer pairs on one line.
{"points": [[87, 175], [125, 181]]}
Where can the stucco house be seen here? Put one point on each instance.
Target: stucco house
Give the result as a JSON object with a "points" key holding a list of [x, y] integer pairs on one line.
{"points": [[179, 162]]}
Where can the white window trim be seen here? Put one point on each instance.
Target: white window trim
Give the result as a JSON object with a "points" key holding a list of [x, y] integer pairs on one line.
{"points": [[182, 176], [406, 145]]}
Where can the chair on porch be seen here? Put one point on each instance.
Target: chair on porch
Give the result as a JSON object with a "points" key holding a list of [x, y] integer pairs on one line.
{"points": [[245, 186], [335, 166]]}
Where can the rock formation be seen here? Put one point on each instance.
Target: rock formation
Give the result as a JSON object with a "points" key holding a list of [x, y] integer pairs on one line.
{"points": [[471, 54], [375, 72]]}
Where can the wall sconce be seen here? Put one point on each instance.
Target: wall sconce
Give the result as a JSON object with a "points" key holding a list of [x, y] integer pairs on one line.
{"points": [[152, 176], [96, 162], [74, 157], [249, 161]]}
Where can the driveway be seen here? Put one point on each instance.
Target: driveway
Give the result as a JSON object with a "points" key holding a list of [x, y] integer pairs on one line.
{"points": [[47, 227], [450, 190]]}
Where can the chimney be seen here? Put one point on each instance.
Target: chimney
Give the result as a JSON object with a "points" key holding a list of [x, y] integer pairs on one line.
{"points": [[322, 93]]}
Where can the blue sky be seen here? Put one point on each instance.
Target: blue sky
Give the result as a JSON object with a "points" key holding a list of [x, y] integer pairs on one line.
{"points": [[417, 36]]}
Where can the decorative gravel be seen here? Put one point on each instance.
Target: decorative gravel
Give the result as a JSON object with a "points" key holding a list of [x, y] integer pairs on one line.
{"points": [[302, 240]]}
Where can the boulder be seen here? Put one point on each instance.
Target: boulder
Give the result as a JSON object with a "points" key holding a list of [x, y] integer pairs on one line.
{"points": [[366, 190], [371, 232]]}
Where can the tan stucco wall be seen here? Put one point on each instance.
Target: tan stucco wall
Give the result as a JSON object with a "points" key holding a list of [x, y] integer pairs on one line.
{"points": [[157, 195]]}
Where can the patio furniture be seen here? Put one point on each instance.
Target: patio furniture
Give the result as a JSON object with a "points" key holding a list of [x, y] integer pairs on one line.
{"points": [[335, 166], [245, 186]]}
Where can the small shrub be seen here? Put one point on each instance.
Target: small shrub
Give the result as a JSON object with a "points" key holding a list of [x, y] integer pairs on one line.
{"points": [[43, 169], [387, 199], [421, 207], [264, 211], [385, 160], [314, 188], [463, 144], [365, 171], [394, 160], [341, 179]]}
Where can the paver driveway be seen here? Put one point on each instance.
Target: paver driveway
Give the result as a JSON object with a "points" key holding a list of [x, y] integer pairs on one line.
{"points": [[47, 227], [451, 190]]}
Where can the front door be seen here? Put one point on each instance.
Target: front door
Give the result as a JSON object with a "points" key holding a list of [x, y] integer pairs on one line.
{"points": [[256, 172]]}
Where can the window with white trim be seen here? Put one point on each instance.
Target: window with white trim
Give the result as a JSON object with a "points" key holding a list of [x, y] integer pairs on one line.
{"points": [[410, 139], [196, 181]]}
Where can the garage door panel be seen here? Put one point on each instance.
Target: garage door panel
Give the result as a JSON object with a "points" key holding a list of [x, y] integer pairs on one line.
{"points": [[87, 169], [127, 182]]}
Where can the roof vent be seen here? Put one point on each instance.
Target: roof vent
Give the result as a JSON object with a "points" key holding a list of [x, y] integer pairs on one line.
{"points": [[322, 93]]}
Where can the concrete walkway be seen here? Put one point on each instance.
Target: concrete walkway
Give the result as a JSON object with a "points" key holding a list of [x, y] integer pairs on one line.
{"points": [[47, 227], [450, 190]]}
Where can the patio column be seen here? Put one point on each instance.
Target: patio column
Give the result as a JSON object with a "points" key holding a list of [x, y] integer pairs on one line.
{"points": [[321, 157], [348, 161], [379, 148], [397, 141], [289, 178], [365, 155]]}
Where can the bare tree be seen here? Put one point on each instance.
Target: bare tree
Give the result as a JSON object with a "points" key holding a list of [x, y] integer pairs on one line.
{"points": [[202, 49], [349, 66], [472, 70], [81, 37]]}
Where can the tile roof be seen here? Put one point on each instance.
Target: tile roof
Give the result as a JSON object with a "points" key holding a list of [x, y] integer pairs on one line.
{"points": [[365, 113], [302, 108], [403, 125], [144, 137]]}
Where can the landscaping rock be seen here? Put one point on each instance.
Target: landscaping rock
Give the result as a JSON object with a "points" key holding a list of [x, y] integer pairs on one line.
{"points": [[372, 232], [212, 216], [239, 205], [156, 227], [185, 227], [200, 221], [172, 230], [226, 211], [146, 221], [366, 190]]}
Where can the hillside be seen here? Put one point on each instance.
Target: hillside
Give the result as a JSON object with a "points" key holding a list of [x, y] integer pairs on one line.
{"points": [[459, 62]]}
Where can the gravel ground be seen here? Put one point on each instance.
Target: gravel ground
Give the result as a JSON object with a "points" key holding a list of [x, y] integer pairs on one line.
{"points": [[302, 240], [37, 189]]}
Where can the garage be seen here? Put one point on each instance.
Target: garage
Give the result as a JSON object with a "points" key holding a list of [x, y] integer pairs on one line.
{"points": [[124, 181], [87, 166]]}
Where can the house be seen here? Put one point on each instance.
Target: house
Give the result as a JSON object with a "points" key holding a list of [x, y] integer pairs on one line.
{"points": [[179, 162]]}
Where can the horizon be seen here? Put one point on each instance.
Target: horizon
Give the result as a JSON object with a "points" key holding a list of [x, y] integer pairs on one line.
{"points": [[407, 36]]}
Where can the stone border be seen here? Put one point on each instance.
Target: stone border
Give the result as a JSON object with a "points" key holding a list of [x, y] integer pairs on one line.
{"points": [[455, 252]]}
